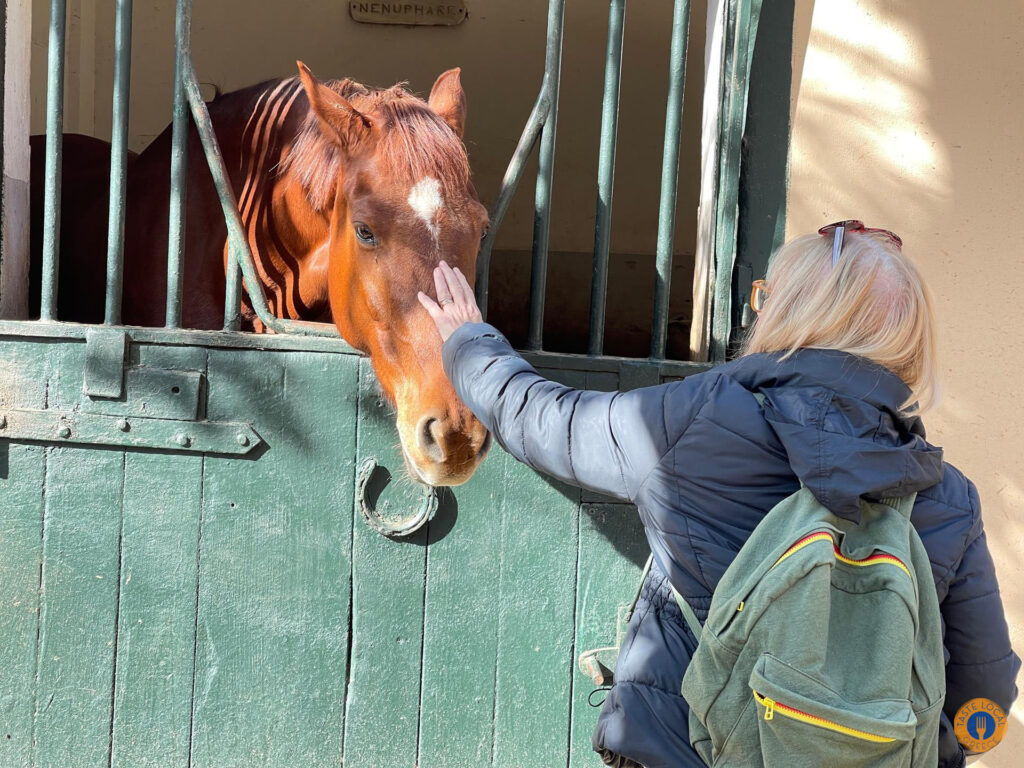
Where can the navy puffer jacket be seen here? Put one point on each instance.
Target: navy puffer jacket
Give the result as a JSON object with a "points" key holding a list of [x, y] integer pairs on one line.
{"points": [[704, 463]]}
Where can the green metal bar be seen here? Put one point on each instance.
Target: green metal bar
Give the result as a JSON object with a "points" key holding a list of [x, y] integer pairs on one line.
{"points": [[606, 174], [238, 243], [54, 157], [179, 165], [545, 170], [669, 177], [739, 45], [118, 161], [77, 428], [513, 174], [233, 294]]}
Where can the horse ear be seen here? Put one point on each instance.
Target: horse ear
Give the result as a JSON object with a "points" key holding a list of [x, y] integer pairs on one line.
{"points": [[339, 120], [448, 100]]}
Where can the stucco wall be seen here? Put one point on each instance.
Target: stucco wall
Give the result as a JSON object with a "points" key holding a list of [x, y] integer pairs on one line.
{"points": [[906, 115]]}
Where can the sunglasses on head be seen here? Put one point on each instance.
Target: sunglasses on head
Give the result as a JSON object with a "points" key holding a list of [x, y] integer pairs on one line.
{"points": [[839, 229]]}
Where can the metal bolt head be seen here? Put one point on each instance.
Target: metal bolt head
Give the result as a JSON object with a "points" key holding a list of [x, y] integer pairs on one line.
{"points": [[242, 439], [183, 440], [64, 431], [123, 425]]}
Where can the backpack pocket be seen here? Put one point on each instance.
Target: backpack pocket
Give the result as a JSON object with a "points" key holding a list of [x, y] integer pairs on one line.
{"points": [[802, 721]]}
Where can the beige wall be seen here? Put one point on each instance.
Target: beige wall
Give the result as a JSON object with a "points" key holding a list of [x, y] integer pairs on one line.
{"points": [[908, 115]]}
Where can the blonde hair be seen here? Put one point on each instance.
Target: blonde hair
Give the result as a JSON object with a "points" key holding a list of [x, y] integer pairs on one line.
{"points": [[873, 304]]}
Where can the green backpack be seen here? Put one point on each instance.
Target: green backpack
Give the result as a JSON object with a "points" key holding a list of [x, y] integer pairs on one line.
{"points": [[823, 644]]}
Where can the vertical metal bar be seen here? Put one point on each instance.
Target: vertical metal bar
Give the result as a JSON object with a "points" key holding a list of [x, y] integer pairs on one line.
{"points": [[606, 174], [545, 168], [118, 161], [513, 173], [54, 157], [233, 293], [179, 165], [669, 177]]}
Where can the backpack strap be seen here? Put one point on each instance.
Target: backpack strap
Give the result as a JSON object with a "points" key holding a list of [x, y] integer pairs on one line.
{"points": [[688, 614], [902, 504], [640, 587]]}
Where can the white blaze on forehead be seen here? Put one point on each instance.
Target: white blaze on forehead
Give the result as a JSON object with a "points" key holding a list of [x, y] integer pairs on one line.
{"points": [[425, 200]]}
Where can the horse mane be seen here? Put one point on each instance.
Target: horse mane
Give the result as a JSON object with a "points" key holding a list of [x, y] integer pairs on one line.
{"points": [[414, 142]]}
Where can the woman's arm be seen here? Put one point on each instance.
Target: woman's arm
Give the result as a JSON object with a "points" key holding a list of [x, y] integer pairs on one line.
{"points": [[981, 662], [605, 441]]}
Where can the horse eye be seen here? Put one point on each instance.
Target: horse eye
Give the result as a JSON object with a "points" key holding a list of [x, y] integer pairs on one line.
{"points": [[365, 234], [485, 233]]}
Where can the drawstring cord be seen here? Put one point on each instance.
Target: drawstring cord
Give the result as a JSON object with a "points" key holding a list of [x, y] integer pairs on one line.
{"points": [[599, 689]]}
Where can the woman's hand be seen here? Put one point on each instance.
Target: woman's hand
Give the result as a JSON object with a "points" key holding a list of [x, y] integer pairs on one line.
{"points": [[455, 303]]}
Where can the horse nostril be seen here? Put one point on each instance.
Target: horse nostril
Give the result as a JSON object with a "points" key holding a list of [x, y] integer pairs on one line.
{"points": [[428, 436], [485, 446]]}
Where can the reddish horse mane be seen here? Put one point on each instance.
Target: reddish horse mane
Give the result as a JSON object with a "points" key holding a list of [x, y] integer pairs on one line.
{"points": [[414, 142]]}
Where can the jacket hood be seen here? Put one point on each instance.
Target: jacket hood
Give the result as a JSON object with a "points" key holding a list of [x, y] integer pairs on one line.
{"points": [[838, 416]]}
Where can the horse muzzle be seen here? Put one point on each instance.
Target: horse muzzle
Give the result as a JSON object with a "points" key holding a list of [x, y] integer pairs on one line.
{"points": [[437, 453]]}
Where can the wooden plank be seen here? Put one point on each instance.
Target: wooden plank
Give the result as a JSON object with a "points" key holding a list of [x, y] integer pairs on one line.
{"points": [[382, 706], [707, 211], [22, 383], [740, 33], [570, 378], [460, 637], [539, 538], [604, 381], [157, 610], [612, 553], [182, 337], [157, 606], [79, 585], [275, 564], [78, 606]]}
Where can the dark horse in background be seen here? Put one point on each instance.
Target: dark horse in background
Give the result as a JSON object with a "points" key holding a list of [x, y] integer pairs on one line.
{"points": [[350, 196]]}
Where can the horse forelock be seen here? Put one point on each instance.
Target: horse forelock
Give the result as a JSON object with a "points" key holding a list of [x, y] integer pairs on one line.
{"points": [[414, 142]]}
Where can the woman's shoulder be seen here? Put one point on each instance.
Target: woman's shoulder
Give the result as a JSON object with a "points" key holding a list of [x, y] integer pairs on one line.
{"points": [[955, 493], [948, 518]]}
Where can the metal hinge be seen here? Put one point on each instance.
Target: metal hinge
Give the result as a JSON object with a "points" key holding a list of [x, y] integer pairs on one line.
{"points": [[53, 426], [130, 406]]}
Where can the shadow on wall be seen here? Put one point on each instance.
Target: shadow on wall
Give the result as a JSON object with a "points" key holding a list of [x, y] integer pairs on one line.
{"points": [[902, 117]]}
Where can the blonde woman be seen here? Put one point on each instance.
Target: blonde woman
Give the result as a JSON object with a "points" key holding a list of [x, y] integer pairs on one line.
{"points": [[843, 352]]}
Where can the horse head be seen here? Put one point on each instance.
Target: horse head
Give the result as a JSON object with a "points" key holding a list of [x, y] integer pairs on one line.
{"points": [[392, 174]]}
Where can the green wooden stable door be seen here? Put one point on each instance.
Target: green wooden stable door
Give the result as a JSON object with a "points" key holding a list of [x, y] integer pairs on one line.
{"points": [[187, 579], [165, 606]]}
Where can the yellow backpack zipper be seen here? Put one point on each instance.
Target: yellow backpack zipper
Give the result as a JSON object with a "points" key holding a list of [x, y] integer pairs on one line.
{"points": [[771, 707]]}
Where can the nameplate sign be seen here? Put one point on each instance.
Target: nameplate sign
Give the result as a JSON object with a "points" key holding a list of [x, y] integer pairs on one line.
{"points": [[448, 13]]}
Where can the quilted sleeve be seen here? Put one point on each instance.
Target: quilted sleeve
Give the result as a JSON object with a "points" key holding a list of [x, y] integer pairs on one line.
{"points": [[981, 663], [604, 441]]}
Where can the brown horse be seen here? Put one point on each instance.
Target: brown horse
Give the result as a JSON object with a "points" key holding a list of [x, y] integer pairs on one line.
{"points": [[350, 196]]}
